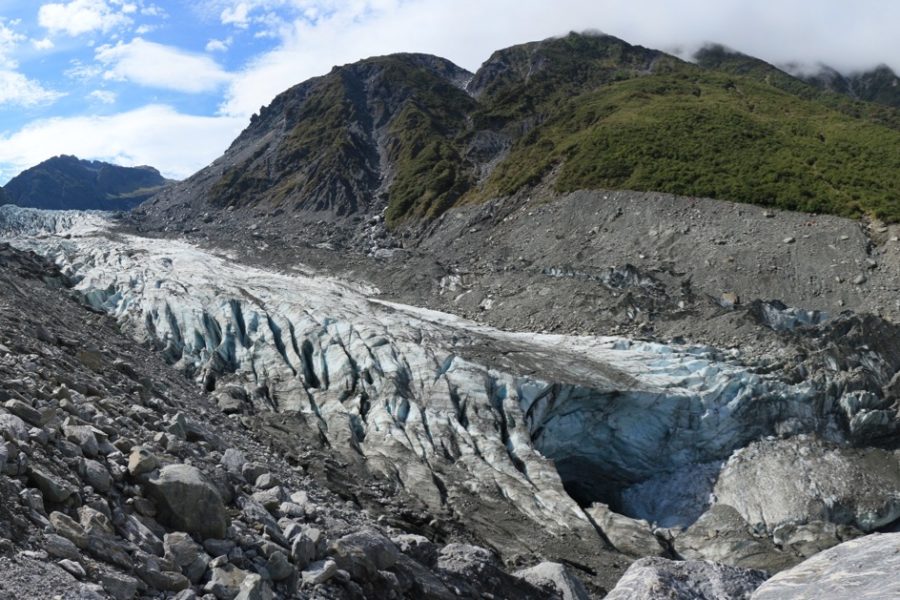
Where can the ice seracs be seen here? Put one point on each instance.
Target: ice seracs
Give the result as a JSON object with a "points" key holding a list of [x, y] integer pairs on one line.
{"points": [[448, 408]]}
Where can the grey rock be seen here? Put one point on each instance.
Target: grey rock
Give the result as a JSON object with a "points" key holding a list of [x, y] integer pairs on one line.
{"points": [[141, 534], [165, 581], [722, 535], [861, 569], [60, 547], [110, 549], [95, 522], [68, 528], [55, 489], [187, 501], [303, 550], [557, 577], [251, 471], [629, 536], [73, 567], [83, 436], [119, 586], [254, 588], [279, 567], [233, 460], [270, 498], [13, 428], [218, 547], [811, 538], [23, 411], [804, 479], [363, 554], [141, 461], [319, 571], [655, 578], [418, 547], [187, 554], [225, 581], [476, 571], [266, 481], [97, 476]]}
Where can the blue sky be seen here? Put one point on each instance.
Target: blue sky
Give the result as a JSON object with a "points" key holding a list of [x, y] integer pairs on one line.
{"points": [[171, 83]]}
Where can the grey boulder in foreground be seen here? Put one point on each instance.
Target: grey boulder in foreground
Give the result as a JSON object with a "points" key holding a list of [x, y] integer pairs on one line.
{"points": [[659, 578], [867, 568]]}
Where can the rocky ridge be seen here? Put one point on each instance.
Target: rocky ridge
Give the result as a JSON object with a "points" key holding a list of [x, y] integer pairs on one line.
{"points": [[68, 183]]}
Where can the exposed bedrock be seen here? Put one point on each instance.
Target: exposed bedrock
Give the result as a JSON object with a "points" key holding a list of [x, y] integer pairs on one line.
{"points": [[450, 409]]}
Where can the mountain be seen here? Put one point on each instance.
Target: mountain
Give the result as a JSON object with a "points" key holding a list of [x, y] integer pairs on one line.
{"points": [[412, 135], [880, 85], [67, 182]]}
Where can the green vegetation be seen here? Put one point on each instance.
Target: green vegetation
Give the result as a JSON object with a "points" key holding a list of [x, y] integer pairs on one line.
{"points": [[706, 134], [578, 112]]}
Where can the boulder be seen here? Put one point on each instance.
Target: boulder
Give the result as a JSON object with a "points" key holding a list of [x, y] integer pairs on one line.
{"points": [[141, 461], [629, 536], [861, 569], [187, 501], [319, 572], [23, 411], [655, 578], [804, 479], [254, 588], [119, 586], [722, 535], [225, 581], [557, 577], [55, 489], [363, 554]]}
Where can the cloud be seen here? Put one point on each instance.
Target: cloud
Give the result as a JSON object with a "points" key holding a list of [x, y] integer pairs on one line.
{"points": [[44, 44], [237, 15], [157, 135], [156, 65], [850, 36], [104, 96], [18, 90], [9, 41], [81, 16], [217, 45]]}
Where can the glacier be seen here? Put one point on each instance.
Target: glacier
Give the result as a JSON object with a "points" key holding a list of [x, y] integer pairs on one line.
{"points": [[449, 409]]}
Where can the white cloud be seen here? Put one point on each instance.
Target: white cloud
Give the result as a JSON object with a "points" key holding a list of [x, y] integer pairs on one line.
{"points": [[104, 96], [81, 16], [237, 15], [218, 45], [9, 41], [16, 89], [157, 65], [323, 33], [156, 135], [82, 72], [44, 44]]}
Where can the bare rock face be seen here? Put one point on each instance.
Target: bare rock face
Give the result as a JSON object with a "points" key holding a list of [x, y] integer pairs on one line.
{"points": [[633, 537], [188, 501], [802, 479], [663, 579], [861, 569], [722, 535], [556, 576]]}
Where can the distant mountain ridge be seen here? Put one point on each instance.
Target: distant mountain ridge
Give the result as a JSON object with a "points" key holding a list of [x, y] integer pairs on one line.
{"points": [[411, 135], [67, 182]]}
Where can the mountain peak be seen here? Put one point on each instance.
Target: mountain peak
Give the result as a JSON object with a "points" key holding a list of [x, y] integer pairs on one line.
{"points": [[68, 182]]}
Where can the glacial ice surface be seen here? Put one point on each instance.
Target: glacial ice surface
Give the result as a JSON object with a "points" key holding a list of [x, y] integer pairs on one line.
{"points": [[443, 405]]}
